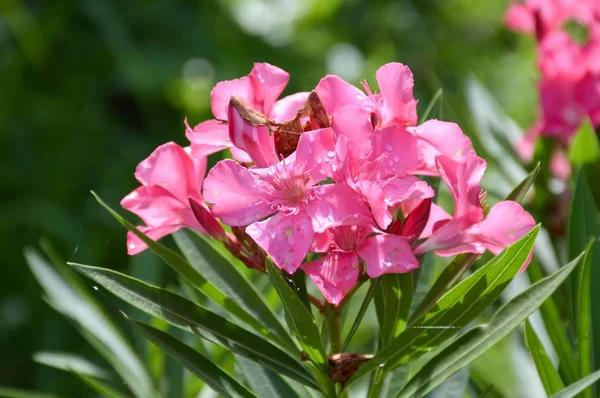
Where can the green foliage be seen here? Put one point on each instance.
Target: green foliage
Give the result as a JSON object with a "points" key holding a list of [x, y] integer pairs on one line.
{"points": [[585, 147]]}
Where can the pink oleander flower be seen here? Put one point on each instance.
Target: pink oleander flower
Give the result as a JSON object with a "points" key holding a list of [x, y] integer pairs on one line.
{"points": [[394, 105], [260, 89], [282, 206], [542, 16], [376, 162], [337, 272], [169, 177], [468, 230]]}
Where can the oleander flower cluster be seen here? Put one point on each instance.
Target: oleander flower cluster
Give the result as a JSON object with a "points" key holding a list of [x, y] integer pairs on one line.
{"points": [[569, 84], [332, 182]]}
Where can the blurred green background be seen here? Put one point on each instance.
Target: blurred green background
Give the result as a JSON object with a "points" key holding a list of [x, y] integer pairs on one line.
{"points": [[89, 88]]}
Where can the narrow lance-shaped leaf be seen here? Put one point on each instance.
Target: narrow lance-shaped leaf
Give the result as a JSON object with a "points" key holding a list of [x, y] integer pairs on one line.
{"points": [[263, 381], [181, 266], [575, 388], [221, 272], [392, 300], [195, 362], [466, 348], [437, 97], [301, 322], [101, 387], [585, 147], [66, 297], [361, 313], [584, 319], [584, 224], [184, 314], [550, 379], [556, 330], [71, 363], [459, 306]]}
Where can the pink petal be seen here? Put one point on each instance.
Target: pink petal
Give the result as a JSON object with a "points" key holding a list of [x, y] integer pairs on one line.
{"points": [[316, 154], [170, 167], [268, 82], [451, 238], [396, 84], [506, 223], [373, 193], [335, 275], [464, 182], [437, 217], [354, 123], [335, 205], [397, 149], [211, 134], [222, 92], [336, 93], [399, 189], [416, 221], [387, 254], [286, 238], [239, 197], [135, 245], [286, 108], [155, 205], [440, 138], [254, 140]]}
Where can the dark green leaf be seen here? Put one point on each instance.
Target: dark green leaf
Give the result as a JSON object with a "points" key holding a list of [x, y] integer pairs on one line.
{"points": [[186, 315], [101, 387], [466, 348], [195, 362], [14, 393], [584, 224], [222, 273], [550, 379], [521, 190], [393, 298], [300, 321], [584, 319], [361, 312], [263, 381]]}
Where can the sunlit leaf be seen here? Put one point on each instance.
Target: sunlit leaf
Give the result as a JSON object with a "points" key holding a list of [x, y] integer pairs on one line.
{"points": [[71, 363], [575, 388], [548, 374], [585, 147], [463, 350]]}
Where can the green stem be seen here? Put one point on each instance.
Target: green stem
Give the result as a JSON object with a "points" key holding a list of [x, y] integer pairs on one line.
{"points": [[334, 328]]}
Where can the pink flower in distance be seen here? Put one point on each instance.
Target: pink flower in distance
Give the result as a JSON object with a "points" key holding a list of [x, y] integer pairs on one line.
{"points": [[260, 89], [336, 273], [169, 177], [394, 105], [288, 193]]}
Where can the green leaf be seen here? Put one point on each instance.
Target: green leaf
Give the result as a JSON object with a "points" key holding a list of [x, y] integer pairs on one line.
{"points": [[393, 298], [438, 96], [65, 295], [6, 392], [584, 319], [99, 386], [222, 273], [195, 362], [449, 276], [263, 381], [300, 321], [455, 309], [585, 147], [579, 386], [464, 349], [556, 330], [584, 224], [188, 316], [361, 313], [71, 363], [548, 374], [181, 266], [521, 190]]}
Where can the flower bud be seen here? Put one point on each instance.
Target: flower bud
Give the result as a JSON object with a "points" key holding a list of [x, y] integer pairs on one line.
{"points": [[415, 222], [210, 224]]}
